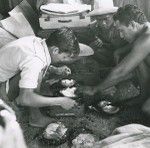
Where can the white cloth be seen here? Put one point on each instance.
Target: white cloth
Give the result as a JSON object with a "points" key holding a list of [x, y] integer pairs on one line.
{"points": [[5, 37], [17, 25], [29, 55], [128, 136], [11, 136]]}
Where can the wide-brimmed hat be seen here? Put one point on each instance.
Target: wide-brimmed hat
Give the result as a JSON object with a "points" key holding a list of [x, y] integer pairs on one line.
{"points": [[85, 50], [103, 7]]}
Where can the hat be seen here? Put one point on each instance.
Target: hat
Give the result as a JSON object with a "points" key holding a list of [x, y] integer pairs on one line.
{"points": [[102, 7], [85, 50]]}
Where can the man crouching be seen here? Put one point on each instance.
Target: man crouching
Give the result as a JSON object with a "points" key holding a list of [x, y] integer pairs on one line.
{"points": [[32, 56]]}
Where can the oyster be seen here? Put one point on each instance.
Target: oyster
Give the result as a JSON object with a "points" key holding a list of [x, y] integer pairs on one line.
{"points": [[69, 92], [55, 130], [67, 82], [107, 107], [83, 141]]}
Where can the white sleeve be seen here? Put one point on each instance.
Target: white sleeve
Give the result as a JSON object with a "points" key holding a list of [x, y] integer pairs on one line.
{"points": [[30, 72]]}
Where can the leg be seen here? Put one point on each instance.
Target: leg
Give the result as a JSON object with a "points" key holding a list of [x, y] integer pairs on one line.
{"points": [[146, 107], [13, 87], [3, 94], [35, 116], [37, 119]]}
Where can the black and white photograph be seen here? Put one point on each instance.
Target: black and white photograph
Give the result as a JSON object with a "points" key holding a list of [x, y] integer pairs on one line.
{"points": [[74, 73]]}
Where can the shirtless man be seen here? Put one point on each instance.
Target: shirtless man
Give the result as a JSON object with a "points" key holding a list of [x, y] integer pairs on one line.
{"points": [[138, 34]]}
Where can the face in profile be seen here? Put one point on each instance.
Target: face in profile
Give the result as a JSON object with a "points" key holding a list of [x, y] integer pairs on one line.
{"points": [[126, 32], [61, 57], [105, 21]]}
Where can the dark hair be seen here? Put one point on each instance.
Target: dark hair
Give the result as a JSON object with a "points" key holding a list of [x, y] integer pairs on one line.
{"points": [[65, 40], [129, 13]]}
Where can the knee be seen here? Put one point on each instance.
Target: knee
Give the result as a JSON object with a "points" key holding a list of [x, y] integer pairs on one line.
{"points": [[21, 101], [146, 109]]}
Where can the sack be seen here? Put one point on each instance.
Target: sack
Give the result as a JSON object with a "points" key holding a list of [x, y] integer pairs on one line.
{"points": [[5, 37], [31, 16], [17, 25]]}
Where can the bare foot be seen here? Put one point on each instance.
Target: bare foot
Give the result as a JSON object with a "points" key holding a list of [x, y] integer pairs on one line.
{"points": [[42, 121], [37, 119]]}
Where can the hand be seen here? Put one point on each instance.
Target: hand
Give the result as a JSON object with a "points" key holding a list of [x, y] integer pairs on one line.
{"points": [[93, 25], [97, 43], [116, 57], [64, 70], [109, 91], [68, 103]]}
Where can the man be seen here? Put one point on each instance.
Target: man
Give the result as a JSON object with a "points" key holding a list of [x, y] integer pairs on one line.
{"points": [[134, 28], [31, 56], [106, 38]]}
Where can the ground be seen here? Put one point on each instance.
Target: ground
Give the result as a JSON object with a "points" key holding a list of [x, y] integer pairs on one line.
{"points": [[101, 124]]}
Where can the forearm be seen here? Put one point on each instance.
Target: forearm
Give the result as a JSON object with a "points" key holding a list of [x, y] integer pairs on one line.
{"points": [[32, 99], [113, 79], [124, 68], [108, 82], [52, 69], [125, 49]]}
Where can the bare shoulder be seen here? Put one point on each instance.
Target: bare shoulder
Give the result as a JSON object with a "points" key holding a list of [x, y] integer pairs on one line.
{"points": [[143, 42]]}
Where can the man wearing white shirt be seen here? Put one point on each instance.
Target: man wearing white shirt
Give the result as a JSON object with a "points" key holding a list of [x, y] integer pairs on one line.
{"points": [[32, 56]]}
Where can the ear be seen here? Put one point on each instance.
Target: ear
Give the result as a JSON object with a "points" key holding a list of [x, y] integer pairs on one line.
{"points": [[116, 23], [55, 50]]}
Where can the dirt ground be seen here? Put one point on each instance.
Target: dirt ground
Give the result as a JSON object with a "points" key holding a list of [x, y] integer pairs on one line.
{"points": [[99, 123]]}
